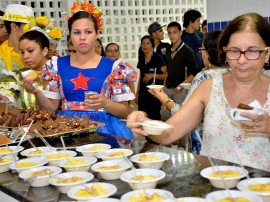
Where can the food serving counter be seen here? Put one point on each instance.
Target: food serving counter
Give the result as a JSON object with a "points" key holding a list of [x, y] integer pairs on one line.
{"points": [[182, 178]]}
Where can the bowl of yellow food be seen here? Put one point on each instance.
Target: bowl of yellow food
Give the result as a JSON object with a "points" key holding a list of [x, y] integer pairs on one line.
{"points": [[190, 199], [39, 177], [111, 169], [14, 150], [230, 174], [113, 154], [143, 178], [65, 181], [92, 149], [81, 163], [259, 186], [150, 159], [56, 156], [156, 87], [147, 195], [28, 163], [35, 152], [96, 190], [5, 161], [153, 127], [106, 200], [232, 196]]}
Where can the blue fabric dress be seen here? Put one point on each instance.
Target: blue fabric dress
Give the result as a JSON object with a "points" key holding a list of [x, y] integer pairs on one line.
{"points": [[109, 78]]}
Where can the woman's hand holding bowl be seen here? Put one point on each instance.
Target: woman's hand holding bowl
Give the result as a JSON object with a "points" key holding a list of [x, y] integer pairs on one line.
{"points": [[260, 123], [133, 122]]}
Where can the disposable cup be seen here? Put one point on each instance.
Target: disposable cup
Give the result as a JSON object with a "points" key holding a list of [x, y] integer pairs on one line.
{"points": [[87, 94]]}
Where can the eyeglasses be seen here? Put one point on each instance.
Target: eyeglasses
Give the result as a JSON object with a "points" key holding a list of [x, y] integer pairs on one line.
{"points": [[202, 49], [112, 51], [235, 54], [96, 47]]}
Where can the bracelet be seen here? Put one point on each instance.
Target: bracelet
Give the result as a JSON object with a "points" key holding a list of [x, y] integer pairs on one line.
{"points": [[168, 101]]}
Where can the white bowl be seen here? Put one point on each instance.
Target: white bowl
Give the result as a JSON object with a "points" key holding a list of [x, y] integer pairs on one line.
{"points": [[106, 200], [142, 184], [110, 188], [65, 187], [5, 161], [111, 174], [113, 154], [70, 165], [14, 150], [92, 149], [190, 199], [185, 85], [168, 196], [39, 161], [230, 181], [40, 181], [244, 186], [153, 127], [157, 87], [217, 195], [31, 152], [150, 163], [53, 161]]}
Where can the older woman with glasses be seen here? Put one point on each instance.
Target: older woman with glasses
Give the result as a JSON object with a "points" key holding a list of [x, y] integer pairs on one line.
{"points": [[244, 45]]}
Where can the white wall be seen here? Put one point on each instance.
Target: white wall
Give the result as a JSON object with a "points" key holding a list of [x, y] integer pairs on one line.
{"points": [[219, 12]]}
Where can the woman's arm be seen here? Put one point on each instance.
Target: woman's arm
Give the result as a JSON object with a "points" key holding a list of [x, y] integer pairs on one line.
{"points": [[183, 121], [42, 100]]}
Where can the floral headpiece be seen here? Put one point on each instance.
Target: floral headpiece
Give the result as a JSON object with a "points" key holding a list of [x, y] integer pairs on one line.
{"points": [[46, 26], [89, 8]]}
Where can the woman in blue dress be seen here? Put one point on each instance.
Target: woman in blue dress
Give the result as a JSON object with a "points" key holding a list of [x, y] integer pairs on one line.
{"points": [[71, 76]]}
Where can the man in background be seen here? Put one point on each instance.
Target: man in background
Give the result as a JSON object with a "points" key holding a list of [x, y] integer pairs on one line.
{"points": [[191, 34], [156, 32]]}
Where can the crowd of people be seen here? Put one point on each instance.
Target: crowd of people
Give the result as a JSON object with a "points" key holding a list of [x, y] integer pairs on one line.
{"points": [[225, 68]]}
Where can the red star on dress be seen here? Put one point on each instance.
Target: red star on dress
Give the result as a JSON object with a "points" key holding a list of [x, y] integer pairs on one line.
{"points": [[80, 82]]}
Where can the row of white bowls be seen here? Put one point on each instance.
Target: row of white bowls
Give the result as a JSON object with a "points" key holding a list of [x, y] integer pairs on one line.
{"points": [[232, 182]]}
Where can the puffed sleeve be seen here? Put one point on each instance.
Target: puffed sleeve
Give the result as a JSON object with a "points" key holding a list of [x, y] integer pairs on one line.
{"points": [[52, 79], [116, 85]]}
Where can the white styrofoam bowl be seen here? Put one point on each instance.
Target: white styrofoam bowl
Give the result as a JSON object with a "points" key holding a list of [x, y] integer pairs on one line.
{"points": [[168, 196], [64, 188], [109, 187], [54, 161], [217, 195], [157, 164], [27, 152], [113, 154], [244, 185], [40, 161], [14, 150], [39, 181], [153, 127], [218, 181], [112, 174], [142, 184], [7, 160], [157, 87], [92, 149], [78, 167], [190, 199]]}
